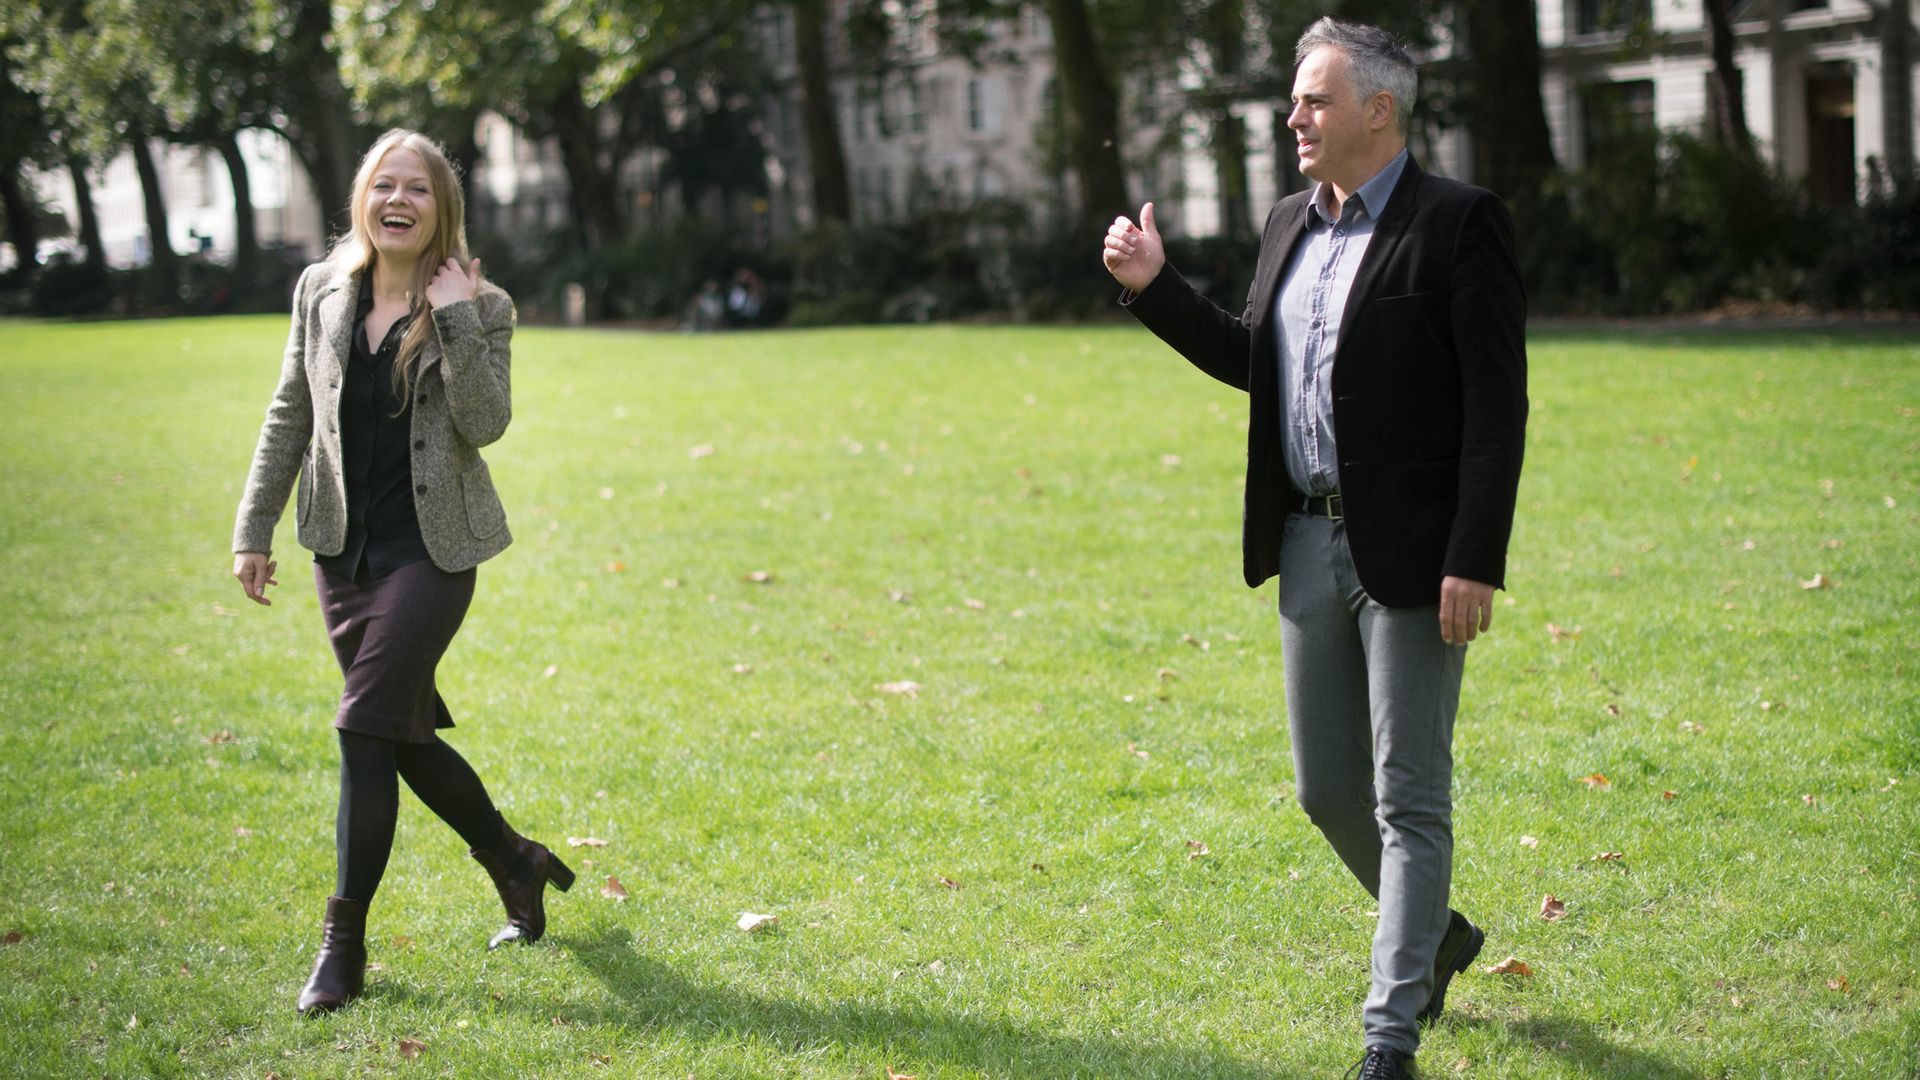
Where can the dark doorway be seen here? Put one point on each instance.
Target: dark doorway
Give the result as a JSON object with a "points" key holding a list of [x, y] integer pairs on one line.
{"points": [[1830, 179]]}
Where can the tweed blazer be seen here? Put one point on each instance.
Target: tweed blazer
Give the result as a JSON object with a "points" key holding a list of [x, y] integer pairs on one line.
{"points": [[461, 402]]}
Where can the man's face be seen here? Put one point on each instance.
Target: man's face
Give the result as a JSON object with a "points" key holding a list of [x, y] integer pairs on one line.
{"points": [[1329, 120]]}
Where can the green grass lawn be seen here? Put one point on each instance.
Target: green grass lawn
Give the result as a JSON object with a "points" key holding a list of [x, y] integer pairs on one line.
{"points": [[1039, 527]]}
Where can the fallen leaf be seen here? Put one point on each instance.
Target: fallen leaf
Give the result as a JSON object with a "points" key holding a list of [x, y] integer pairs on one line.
{"points": [[133, 1021], [1817, 581], [1552, 908], [1529, 841], [13, 937], [1888, 499], [613, 890], [1609, 856], [1169, 459], [948, 882], [1563, 633], [1838, 983], [743, 669], [585, 841], [900, 596], [1612, 709], [937, 967], [701, 451], [758, 577], [615, 567], [242, 830], [1036, 867], [1808, 799], [1137, 752], [1669, 794], [1167, 674], [903, 686], [1462, 1065], [669, 583], [1692, 728], [753, 924], [891, 1075], [410, 1048], [977, 605], [551, 671], [218, 738], [1198, 850], [1892, 782], [1597, 782], [1510, 966]]}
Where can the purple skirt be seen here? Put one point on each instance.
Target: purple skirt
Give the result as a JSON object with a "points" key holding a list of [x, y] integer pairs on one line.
{"points": [[389, 634]]}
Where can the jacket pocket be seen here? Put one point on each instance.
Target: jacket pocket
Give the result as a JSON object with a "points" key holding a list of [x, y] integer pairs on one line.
{"points": [[303, 501], [485, 515]]}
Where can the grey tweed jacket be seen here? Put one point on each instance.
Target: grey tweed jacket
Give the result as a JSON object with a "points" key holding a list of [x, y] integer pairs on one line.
{"points": [[461, 402]]}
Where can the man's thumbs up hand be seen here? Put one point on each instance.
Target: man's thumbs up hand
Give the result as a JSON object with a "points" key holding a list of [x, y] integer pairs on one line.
{"points": [[1133, 253]]}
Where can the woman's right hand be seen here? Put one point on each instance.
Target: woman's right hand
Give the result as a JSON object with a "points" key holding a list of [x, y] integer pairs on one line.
{"points": [[255, 571]]}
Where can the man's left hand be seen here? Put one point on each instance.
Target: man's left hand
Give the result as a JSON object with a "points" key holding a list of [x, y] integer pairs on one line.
{"points": [[1466, 609]]}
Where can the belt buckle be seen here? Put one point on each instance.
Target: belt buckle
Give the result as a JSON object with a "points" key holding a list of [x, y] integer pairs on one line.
{"points": [[1336, 510]]}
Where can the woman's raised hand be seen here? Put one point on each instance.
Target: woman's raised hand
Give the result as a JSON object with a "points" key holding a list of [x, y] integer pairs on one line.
{"points": [[453, 283]]}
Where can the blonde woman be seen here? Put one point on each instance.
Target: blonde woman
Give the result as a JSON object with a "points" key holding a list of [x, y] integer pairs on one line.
{"points": [[395, 375]]}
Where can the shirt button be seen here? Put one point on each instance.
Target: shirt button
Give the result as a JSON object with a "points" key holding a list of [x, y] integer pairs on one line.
{"points": [[420, 489], [419, 444], [422, 399]]}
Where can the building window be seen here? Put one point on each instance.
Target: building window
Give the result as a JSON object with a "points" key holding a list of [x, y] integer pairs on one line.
{"points": [[916, 109], [1614, 16], [983, 107], [1830, 135]]}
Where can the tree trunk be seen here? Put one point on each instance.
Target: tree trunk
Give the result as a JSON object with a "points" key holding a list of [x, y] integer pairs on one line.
{"points": [[165, 267], [1092, 117], [1225, 29], [1896, 87], [320, 118], [832, 195], [89, 216], [1729, 104], [246, 246], [23, 232], [1506, 119], [593, 192]]}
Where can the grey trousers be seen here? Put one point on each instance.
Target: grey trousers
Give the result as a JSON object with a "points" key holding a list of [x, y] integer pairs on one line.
{"points": [[1371, 697]]}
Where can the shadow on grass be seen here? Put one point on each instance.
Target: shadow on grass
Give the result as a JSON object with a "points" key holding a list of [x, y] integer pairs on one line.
{"points": [[648, 994], [1581, 1045]]}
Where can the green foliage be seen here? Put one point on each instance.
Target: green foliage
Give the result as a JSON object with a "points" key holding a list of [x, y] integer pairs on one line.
{"points": [[65, 287]]}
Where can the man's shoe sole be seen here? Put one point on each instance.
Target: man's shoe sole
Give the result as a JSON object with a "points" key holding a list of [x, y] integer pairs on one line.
{"points": [[1442, 978]]}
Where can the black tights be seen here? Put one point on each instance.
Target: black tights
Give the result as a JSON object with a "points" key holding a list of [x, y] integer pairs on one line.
{"points": [[370, 804]]}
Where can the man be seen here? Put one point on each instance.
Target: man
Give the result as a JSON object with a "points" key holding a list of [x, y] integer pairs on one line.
{"points": [[1383, 351]]}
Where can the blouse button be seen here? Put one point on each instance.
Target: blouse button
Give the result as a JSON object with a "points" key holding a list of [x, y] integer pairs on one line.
{"points": [[420, 489], [419, 444]]}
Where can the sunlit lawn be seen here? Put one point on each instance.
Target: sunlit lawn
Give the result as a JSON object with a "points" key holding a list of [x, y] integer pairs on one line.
{"points": [[994, 876]]}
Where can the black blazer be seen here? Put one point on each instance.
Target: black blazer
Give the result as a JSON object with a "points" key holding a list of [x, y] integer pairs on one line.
{"points": [[1429, 387]]}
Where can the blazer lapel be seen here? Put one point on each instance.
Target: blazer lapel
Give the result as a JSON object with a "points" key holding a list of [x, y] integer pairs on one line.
{"points": [[1272, 266], [1386, 237], [336, 319]]}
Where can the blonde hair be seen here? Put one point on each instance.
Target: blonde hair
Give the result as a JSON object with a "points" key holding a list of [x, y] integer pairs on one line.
{"points": [[354, 252]]}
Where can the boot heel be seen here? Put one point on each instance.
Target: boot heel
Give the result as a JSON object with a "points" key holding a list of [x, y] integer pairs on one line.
{"points": [[559, 873]]}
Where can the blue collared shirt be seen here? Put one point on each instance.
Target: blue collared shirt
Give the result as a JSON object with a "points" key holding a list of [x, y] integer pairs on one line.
{"points": [[1307, 313]]}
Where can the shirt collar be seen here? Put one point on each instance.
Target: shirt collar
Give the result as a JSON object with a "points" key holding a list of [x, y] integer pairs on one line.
{"points": [[1372, 195]]}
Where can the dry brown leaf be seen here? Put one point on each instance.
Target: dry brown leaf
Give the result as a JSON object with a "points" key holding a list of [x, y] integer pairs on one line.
{"points": [[1167, 674], [242, 830], [613, 890], [743, 669], [1838, 983], [1597, 782], [615, 567], [1692, 728], [1552, 908], [1039, 868], [1529, 841], [1197, 849], [1612, 709], [1512, 965], [948, 882], [410, 1048], [1817, 581], [1609, 856], [1137, 752], [1563, 633], [551, 671], [585, 841], [753, 924], [900, 596], [218, 738], [977, 605], [13, 937], [1808, 799], [702, 451], [758, 577], [902, 686], [1169, 460], [891, 1075], [1669, 795]]}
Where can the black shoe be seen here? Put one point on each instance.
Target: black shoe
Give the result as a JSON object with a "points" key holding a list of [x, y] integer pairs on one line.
{"points": [[1457, 949], [1382, 1064]]}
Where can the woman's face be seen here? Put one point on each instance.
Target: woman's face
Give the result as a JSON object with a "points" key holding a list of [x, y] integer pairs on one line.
{"points": [[401, 213]]}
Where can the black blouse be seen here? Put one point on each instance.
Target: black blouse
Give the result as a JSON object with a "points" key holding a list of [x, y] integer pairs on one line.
{"points": [[383, 531]]}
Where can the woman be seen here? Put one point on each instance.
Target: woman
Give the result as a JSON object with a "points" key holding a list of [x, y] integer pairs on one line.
{"points": [[395, 375]]}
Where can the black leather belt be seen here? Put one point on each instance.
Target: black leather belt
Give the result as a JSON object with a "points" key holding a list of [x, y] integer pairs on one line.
{"points": [[1323, 506]]}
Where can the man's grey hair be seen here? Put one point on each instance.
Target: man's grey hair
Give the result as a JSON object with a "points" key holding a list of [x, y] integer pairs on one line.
{"points": [[1379, 61]]}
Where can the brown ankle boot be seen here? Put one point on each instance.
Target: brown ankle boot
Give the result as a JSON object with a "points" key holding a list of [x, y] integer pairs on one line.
{"points": [[521, 869], [341, 968]]}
